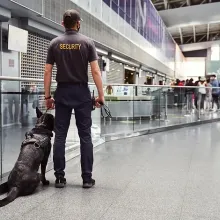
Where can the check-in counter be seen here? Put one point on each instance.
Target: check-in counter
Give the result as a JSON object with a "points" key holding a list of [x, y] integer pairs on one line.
{"points": [[129, 107]]}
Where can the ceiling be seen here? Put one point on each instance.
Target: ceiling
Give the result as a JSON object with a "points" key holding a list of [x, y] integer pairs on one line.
{"points": [[172, 4], [190, 21], [196, 33]]}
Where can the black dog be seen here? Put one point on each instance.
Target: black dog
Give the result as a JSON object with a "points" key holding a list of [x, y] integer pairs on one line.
{"points": [[35, 150]]}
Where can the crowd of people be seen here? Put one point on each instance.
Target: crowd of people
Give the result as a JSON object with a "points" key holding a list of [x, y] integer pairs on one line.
{"points": [[203, 95]]}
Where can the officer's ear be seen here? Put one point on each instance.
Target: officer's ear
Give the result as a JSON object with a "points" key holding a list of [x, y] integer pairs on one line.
{"points": [[38, 112], [78, 25], [62, 23]]}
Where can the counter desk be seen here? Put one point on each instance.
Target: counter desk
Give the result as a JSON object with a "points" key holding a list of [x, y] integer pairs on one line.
{"points": [[129, 107]]}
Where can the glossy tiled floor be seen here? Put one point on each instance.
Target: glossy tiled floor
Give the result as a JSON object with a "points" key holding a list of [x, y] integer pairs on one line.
{"points": [[165, 176], [11, 146]]}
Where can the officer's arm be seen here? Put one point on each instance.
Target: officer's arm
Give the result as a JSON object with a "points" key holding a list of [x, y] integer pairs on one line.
{"points": [[47, 79], [96, 74], [48, 70]]}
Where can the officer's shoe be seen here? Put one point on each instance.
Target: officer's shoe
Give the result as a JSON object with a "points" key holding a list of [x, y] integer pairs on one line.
{"points": [[60, 182], [88, 184]]}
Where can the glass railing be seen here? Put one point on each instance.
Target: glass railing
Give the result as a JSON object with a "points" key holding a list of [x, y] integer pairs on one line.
{"points": [[19, 100], [133, 108], [136, 108]]}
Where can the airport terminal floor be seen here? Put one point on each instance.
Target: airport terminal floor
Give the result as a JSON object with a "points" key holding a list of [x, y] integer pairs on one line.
{"points": [[172, 175]]}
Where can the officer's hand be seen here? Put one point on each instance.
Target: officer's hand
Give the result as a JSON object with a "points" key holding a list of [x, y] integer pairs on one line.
{"points": [[99, 101], [49, 103]]}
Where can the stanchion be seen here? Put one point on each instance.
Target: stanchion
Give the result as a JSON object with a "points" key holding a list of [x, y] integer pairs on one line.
{"points": [[187, 103], [188, 110], [199, 106], [165, 116]]}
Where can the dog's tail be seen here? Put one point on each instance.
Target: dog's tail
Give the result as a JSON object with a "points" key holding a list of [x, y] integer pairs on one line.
{"points": [[12, 195]]}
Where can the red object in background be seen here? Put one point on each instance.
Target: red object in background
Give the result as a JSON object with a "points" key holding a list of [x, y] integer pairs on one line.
{"points": [[180, 84], [11, 63]]}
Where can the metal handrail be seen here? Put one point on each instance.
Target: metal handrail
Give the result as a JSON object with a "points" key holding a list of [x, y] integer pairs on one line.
{"points": [[8, 78]]}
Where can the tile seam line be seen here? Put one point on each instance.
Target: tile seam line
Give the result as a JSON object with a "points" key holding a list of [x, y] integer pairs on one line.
{"points": [[131, 179], [187, 182], [12, 218], [23, 214]]}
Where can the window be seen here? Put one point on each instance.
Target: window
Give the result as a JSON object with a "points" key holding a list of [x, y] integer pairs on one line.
{"points": [[128, 11], [107, 2], [215, 52], [115, 6]]}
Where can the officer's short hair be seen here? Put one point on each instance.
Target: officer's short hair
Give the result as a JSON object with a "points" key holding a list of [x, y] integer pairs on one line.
{"points": [[70, 18]]}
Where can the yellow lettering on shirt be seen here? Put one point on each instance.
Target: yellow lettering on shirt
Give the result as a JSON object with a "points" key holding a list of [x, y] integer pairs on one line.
{"points": [[70, 46]]}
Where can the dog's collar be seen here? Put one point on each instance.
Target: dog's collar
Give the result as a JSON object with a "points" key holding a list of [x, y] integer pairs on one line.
{"points": [[42, 131], [33, 138]]}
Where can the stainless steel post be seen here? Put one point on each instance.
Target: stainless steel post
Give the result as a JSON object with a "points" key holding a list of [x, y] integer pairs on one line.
{"points": [[165, 93], [187, 103], [199, 106]]}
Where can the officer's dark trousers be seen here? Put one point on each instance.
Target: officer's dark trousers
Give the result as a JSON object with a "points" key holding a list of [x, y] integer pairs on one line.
{"points": [[77, 97]]}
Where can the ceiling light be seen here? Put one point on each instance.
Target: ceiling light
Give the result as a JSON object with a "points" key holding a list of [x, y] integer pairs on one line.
{"points": [[101, 51], [160, 74], [125, 61]]}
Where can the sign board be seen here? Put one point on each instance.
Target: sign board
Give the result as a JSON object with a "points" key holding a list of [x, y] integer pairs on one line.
{"points": [[17, 39], [11, 63]]}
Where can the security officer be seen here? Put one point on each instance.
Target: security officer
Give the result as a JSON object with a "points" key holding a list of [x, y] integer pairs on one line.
{"points": [[72, 52]]}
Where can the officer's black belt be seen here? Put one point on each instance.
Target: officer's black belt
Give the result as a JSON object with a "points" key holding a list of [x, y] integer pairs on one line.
{"points": [[72, 83]]}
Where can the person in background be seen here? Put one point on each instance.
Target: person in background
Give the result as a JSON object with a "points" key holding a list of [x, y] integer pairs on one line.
{"points": [[215, 91], [196, 92], [172, 83], [181, 94], [208, 95], [109, 90], [33, 95], [197, 82], [189, 95], [176, 92], [201, 93], [161, 82]]}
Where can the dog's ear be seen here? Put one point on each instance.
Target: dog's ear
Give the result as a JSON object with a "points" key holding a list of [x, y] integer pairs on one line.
{"points": [[38, 112]]}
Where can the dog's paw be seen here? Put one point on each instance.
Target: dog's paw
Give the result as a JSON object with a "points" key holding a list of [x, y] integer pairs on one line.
{"points": [[46, 182]]}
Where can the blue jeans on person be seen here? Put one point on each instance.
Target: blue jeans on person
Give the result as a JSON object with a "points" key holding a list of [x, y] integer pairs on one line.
{"points": [[68, 97]]}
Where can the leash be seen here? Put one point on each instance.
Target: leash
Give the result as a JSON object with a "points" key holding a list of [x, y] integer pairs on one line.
{"points": [[107, 111], [104, 108], [47, 110]]}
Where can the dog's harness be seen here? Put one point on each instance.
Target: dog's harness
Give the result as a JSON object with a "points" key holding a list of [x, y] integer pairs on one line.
{"points": [[39, 137]]}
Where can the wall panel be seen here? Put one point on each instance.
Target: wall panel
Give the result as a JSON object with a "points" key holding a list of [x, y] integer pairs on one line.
{"points": [[129, 42], [35, 5]]}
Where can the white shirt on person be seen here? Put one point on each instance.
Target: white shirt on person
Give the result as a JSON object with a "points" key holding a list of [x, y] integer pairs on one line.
{"points": [[202, 88]]}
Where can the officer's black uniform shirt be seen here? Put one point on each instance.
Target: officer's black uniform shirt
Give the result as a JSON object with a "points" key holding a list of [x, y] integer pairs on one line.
{"points": [[71, 52]]}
